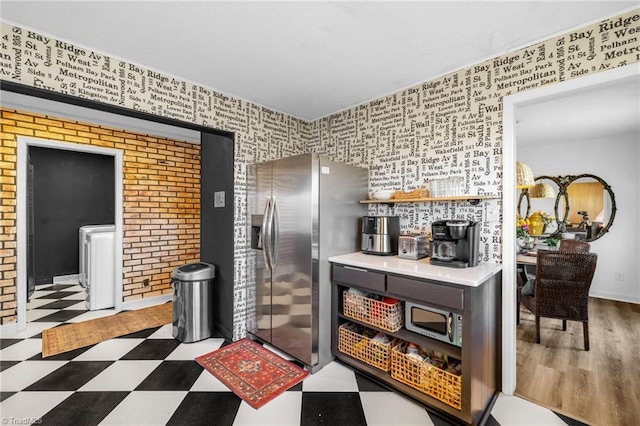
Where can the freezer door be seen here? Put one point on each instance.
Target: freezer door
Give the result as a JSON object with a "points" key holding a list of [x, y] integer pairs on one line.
{"points": [[295, 195], [259, 184]]}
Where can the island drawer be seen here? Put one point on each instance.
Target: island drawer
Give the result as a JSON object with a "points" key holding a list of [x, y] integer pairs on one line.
{"points": [[359, 277], [425, 291]]}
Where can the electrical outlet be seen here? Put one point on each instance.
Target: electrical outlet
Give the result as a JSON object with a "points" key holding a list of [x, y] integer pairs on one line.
{"points": [[145, 282], [619, 276]]}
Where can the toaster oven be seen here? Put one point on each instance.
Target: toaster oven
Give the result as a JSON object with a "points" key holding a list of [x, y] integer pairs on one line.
{"points": [[413, 246]]}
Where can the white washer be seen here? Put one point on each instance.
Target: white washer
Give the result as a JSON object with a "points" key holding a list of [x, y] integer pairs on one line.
{"points": [[100, 271], [82, 260]]}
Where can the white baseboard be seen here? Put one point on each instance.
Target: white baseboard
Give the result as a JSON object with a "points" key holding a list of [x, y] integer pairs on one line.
{"points": [[615, 296], [8, 328], [64, 278], [145, 303]]}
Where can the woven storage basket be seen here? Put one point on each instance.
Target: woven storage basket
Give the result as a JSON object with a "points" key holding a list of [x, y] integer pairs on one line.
{"points": [[425, 377], [362, 347], [416, 193], [387, 316]]}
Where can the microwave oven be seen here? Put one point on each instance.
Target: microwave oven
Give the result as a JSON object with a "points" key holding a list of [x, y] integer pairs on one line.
{"points": [[432, 322]]}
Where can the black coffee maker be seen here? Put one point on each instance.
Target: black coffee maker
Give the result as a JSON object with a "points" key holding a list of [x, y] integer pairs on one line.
{"points": [[455, 243]]}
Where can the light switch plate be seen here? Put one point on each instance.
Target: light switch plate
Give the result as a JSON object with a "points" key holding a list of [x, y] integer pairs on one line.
{"points": [[218, 199]]}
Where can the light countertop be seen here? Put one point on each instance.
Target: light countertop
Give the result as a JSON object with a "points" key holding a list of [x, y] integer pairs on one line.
{"points": [[472, 277]]}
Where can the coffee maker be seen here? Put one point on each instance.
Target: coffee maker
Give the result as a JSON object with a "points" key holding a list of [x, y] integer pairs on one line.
{"points": [[455, 243], [380, 235]]}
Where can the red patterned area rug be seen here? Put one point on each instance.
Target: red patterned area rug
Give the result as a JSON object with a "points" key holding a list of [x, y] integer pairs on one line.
{"points": [[252, 372]]}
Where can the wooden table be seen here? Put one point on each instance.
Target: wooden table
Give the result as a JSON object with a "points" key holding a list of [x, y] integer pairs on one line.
{"points": [[524, 259]]}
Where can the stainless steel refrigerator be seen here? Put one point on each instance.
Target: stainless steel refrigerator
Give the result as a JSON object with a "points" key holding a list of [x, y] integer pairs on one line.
{"points": [[302, 210]]}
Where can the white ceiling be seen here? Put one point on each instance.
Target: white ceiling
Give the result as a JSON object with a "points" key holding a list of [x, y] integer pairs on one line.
{"points": [[307, 59], [593, 113]]}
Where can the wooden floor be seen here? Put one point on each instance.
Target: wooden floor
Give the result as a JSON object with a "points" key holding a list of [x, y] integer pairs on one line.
{"points": [[600, 387]]}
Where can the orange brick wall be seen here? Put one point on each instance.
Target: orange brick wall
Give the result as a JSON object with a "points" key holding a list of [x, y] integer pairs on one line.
{"points": [[161, 201]]}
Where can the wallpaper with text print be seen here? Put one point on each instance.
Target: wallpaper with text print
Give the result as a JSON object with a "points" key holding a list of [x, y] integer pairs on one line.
{"points": [[452, 126], [449, 126]]}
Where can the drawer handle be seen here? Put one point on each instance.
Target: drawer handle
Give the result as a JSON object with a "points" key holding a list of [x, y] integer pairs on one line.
{"points": [[355, 269]]}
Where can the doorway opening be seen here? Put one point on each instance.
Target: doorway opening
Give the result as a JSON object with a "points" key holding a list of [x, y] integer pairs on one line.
{"points": [[217, 175], [24, 261], [513, 105]]}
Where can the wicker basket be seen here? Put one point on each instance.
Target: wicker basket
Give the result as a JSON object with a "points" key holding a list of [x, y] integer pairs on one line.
{"points": [[387, 316], [416, 193], [425, 377], [357, 342]]}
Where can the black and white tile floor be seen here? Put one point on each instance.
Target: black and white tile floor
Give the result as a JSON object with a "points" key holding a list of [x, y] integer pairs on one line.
{"points": [[149, 378]]}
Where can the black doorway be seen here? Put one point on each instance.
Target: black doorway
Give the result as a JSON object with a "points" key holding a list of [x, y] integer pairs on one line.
{"points": [[70, 189]]}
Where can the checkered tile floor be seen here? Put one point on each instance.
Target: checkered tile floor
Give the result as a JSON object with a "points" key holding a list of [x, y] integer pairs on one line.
{"points": [[149, 378]]}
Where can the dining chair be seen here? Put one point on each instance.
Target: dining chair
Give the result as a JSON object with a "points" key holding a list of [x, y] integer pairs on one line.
{"points": [[576, 246], [561, 289]]}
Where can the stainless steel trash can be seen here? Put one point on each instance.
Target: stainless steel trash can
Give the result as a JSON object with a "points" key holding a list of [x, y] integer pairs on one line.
{"points": [[192, 310]]}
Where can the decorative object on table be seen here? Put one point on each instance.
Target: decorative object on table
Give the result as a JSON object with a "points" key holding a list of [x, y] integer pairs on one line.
{"points": [[524, 176], [524, 240], [552, 242], [68, 337], [561, 289], [526, 244], [538, 222], [522, 227], [252, 372]]}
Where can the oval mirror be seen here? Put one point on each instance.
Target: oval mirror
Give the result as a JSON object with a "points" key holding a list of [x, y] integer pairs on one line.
{"points": [[524, 203], [588, 204]]}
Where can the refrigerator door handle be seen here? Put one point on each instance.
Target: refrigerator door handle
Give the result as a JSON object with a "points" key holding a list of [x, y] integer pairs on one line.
{"points": [[266, 235], [275, 232]]}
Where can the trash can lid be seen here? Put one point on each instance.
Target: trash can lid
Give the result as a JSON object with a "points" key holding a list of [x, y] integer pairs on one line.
{"points": [[197, 271]]}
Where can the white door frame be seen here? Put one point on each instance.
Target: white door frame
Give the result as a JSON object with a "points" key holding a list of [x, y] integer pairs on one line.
{"points": [[21, 195], [510, 116]]}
